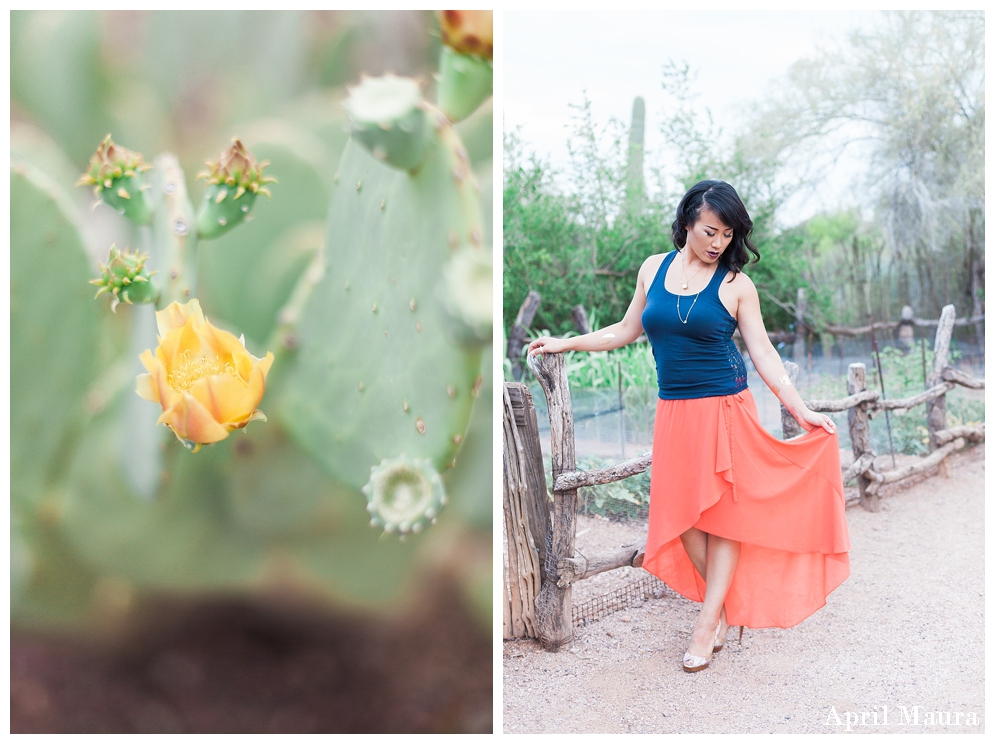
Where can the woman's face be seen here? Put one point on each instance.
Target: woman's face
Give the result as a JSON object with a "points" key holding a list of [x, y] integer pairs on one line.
{"points": [[709, 237]]}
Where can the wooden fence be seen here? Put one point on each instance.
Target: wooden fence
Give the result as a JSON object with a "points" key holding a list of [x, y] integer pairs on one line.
{"points": [[799, 340], [541, 564]]}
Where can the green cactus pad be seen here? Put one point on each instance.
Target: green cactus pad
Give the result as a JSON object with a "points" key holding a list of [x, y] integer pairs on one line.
{"points": [[179, 540], [404, 495], [386, 117], [248, 513], [378, 370], [174, 241], [32, 146], [54, 330], [279, 493], [469, 482], [57, 75], [464, 82], [477, 133]]}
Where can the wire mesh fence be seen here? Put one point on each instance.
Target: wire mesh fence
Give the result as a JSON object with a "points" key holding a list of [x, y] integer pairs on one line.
{"points": [[647, 587]]}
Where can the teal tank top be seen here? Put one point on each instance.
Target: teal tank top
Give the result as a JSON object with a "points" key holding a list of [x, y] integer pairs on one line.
{"points": [[696, 359]]}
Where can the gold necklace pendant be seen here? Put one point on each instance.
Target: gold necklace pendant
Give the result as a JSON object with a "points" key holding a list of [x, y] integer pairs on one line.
{"points": [[684, 280]]}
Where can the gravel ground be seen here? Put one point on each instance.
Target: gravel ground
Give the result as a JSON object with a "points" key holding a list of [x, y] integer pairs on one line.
{"points": [[906, 629]]}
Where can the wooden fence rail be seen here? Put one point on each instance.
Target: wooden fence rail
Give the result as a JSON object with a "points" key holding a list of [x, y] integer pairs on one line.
{"points": [[527, 312], [548, 616]]}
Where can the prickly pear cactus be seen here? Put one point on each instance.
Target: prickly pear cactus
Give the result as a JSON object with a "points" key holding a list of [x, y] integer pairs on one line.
{"points": [[368, 277], [380, 368], [55, 327], [55, 336]]}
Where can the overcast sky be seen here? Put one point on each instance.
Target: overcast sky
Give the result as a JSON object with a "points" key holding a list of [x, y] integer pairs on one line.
{"points": [[551, 57]]}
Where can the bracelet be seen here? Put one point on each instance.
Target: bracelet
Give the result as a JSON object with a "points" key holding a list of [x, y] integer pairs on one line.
{"points": [[781, 382]]}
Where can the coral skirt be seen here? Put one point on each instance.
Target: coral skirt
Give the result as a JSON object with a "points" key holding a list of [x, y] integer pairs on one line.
{"points": [[716, 468]]}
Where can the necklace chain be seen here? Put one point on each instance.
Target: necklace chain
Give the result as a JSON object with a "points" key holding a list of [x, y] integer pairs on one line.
{"points": [[684, 280], [684, 320]]}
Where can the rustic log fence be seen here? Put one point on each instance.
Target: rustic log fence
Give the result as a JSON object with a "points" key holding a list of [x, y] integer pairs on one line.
{"points": [[541, 564], [800, 339]]}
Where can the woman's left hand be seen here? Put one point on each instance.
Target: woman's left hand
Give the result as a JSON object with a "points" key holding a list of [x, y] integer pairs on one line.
{"points": [[810, 420]]}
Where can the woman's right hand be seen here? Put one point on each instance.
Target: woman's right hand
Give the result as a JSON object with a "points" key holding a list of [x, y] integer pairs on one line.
{"points": [[548, 345]]}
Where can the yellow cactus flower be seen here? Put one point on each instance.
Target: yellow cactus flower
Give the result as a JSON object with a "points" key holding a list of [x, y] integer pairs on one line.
{"points": [[203, 377]]}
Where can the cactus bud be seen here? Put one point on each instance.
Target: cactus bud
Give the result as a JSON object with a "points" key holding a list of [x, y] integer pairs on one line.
{"points": [[466, 74], [468, 31], [387, 118], [405, 495], [467, 293], [464, 83], [116, 176], [124, 277], [233, 182]]}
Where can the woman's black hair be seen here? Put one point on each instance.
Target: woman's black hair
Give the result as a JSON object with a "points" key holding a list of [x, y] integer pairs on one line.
{"points": [[721, 198]]}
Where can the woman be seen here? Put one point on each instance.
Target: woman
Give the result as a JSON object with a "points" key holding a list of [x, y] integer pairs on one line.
{"points": [[762, 520]]}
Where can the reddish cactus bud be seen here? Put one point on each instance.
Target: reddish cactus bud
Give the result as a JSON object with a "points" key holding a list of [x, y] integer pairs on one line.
{"points": [[468, 31]]}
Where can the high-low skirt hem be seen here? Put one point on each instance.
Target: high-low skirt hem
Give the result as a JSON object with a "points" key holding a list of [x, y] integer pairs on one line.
{"points": [[716, 468]]}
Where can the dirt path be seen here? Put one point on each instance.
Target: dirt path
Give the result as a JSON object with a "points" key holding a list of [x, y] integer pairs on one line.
{"points": [[906, 629]]}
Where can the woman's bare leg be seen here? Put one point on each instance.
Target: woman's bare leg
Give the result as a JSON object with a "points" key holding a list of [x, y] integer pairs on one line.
{"points": [[696, 546], [695, 542], [721, 561]]}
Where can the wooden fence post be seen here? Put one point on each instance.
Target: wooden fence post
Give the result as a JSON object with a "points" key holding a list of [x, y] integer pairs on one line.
{"points": [[936, 409], [860, 433], [789, 426], [581, 323], [553, 604], [516, 339], [800, 328], [907, 329], [526, 513]]}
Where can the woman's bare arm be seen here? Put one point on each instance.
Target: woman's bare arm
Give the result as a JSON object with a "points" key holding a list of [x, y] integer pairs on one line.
{"points": [[610, 337], [767, 361]]}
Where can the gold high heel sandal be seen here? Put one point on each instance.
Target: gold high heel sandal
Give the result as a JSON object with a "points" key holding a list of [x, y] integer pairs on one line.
{"points": [[720, 641], [694, 663]]}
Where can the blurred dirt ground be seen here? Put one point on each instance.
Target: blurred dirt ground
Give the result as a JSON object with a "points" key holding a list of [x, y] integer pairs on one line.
{"points": [[236, 667]]}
